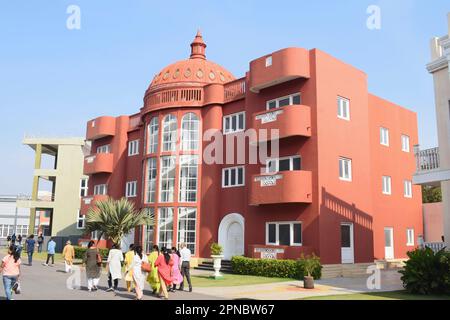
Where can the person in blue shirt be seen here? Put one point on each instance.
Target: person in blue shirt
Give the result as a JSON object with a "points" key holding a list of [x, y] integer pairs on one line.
{"points": [[30, 244], [51, 245]]}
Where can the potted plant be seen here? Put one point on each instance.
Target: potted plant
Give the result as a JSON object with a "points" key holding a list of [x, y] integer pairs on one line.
{"points": [[310, 264], [216, 255]]}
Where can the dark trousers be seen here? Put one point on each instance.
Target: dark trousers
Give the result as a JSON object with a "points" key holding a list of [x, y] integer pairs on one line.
{"points": [[30, 257], [185, 272], [110, 282], [49, 255]]}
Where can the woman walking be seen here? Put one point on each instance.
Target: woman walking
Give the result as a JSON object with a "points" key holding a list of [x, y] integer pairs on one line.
{"points": [[164, 263], [138, 275], [153, 276], [10, 268], [114, 267], [92, 261], [177, 278], [129, 257]]}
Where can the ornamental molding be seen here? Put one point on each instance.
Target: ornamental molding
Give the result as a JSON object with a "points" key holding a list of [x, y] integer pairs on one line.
{"points": [[268, 181], [269, 116], [438, 64]]}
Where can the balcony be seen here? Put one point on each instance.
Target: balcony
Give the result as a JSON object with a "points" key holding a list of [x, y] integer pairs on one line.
{"points": [[281, 187], [99, 163], [428, 167], [101, 127], [294, 120], [287, 64], [88, 202]]}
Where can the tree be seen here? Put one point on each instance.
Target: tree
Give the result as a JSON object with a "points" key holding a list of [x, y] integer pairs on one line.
{"points": [[431, 194], [116, 218]]}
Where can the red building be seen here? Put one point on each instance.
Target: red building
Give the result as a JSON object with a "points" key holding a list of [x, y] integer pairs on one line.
{"points": [[340, 187]]}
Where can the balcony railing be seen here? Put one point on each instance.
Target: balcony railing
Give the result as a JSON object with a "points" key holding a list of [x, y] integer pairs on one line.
{"points": [[427, 160], [234, 90]]}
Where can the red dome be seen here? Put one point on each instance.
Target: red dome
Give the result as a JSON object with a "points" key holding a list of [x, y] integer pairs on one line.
{"points": [[195, 70]]}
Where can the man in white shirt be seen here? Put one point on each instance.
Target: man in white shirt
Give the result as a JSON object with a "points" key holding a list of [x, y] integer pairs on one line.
{"points": [[185, 260]]}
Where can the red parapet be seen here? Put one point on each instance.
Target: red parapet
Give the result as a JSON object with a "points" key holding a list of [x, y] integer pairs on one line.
{"points": [[99, 163], [101, 127]]}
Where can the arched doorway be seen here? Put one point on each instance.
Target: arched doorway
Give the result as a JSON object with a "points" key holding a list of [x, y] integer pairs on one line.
{"points": [[231, 235]]}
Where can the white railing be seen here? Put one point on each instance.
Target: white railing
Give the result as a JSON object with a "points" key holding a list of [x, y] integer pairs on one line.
{"points": [[427, 159], [435, 246]]}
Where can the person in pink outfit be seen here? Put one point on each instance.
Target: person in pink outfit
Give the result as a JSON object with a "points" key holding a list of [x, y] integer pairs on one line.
{"points": [[177, 278]]}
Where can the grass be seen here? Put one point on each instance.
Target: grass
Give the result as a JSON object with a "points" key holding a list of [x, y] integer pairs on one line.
{"points": [[231, 280], [391, 295]]}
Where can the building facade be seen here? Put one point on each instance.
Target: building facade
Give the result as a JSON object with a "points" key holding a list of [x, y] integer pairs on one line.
{"points": [[339, 185], [433, 165]]}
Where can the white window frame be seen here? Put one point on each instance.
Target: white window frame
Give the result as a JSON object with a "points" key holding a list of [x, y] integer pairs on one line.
{"points": [[269, 61], [384, 136], [169, 135], [151, 178], [277, 101], [131, 189], [229, 118], [170, 218], [386, 185], [277, 233], [133, 148], [227, 171], [101, 188], [343, 105], [190, 140], [407, 188], [410, 237], [405, 143], [342, 162], [277, 163], [84, 190], [81, 218], [106, 148], [183, 228], [153, 132], [164, 177], [186, 162]]}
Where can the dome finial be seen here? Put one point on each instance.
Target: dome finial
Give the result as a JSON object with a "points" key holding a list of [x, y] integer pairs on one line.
{"points": [[198, 47]]}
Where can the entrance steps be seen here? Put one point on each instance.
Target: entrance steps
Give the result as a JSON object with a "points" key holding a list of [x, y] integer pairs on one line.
{"points": [[208, 265], [390, 264], [345, 270]]}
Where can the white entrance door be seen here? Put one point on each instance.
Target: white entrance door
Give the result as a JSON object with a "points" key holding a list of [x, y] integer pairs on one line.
{"points": [[231, 235], [388, 243], [347, 247]]}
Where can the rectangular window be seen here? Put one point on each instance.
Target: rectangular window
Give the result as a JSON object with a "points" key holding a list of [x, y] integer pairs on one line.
{"points": [[167, 180], [407, 189], [165, 227], [233, 177], [384, 136], [268, 61], [234, 123], [149, 232], [83, 188], [289, 100], [409, 237], [81, 220], [343, 108], [133, 148], [188, 178], [284, 233], [153, 129], [131, 189], [100, 189], [187, 221], [151, 181], [405, 143], [345, 169], [104, 149], [291, 163], [386, 185]]}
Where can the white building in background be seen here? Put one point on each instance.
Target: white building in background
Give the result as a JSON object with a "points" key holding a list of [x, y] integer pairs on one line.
{"points": [[433, 165]]}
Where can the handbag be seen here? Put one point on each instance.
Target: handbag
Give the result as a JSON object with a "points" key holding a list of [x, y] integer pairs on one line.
{"points": [[146, 267]]}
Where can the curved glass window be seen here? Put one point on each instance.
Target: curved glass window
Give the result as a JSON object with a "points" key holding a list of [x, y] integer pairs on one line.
{"points": [[189, 132], [167, 180], [153, 128], [151, 181], [188, 178], [169, 133]]}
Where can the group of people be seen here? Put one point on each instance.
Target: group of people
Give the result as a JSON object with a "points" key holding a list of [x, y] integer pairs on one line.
{"points": [[163, 269]]}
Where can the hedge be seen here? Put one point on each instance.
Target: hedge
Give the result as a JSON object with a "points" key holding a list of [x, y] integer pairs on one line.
{"points": [[80, 251], [273, 268]]}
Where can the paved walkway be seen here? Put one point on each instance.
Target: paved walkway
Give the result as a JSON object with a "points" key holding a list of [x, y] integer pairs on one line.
{"points": [[390, 281], [49, 283]]}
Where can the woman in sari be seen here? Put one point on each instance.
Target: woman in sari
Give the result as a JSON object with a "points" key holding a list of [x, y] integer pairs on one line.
{"points": [[153, 276], [164, 263], [177, 278]]}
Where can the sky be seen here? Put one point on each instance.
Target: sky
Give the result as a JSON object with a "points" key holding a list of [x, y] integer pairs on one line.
{"points": [[54, 79]]}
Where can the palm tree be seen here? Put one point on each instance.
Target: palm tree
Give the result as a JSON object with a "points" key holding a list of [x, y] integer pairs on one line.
{"points": [[116, 218]]}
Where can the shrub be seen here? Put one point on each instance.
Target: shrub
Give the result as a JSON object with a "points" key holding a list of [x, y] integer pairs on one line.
{"points": [[273, 268], [216, 249], [427, 272], [80, 251]]}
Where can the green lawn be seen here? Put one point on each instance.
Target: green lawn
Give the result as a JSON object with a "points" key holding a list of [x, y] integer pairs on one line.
{"points": [[392, 295], [230, 280]]}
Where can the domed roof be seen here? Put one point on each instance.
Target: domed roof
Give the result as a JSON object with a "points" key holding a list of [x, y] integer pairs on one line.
{"points": [[196, 69]]}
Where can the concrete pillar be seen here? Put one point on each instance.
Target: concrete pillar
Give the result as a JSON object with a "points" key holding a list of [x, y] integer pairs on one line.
{"points": [[35, 189]]}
